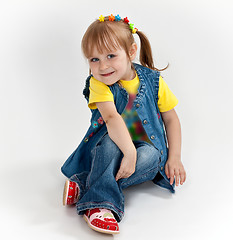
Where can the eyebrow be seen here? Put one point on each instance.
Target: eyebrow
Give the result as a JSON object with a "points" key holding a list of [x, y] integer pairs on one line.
{"points": [[110, 52]]}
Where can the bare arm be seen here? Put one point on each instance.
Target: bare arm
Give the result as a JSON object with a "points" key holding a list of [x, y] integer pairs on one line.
{"points": [[119, 133], [174, 166]]}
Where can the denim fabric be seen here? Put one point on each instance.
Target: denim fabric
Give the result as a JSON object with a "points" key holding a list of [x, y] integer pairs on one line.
{"points": [[101, 189], [81, 165]]}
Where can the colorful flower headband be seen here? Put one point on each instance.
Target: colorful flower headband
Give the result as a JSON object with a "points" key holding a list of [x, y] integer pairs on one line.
{"points": [[117, 19]]}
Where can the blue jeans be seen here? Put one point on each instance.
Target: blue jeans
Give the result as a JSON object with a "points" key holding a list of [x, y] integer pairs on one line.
{"points": [[99, 189]]}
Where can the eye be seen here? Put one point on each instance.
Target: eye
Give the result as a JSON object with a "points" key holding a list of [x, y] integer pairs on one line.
{"points": [[111, 56], [94, 59]]}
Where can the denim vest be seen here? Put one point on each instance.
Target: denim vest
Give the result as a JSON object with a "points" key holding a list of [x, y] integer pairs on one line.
{"points": [[146, 106]]}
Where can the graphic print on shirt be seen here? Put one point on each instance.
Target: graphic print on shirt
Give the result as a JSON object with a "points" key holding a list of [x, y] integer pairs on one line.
{"points": [[133, 122]]}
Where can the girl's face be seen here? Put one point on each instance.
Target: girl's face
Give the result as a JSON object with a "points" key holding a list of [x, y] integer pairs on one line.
{"points": [[110, 67]]}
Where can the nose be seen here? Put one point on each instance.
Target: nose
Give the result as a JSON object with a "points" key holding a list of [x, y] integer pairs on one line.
{"points": [[103, 65]]}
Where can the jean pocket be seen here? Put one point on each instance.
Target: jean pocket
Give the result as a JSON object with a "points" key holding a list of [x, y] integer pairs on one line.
{"points": [[101, 139]]}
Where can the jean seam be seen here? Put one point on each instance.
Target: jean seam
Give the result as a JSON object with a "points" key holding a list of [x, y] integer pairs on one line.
{"points": [[138, 178], [108, 205], [78, 181], [88, 203], [92, 166]]}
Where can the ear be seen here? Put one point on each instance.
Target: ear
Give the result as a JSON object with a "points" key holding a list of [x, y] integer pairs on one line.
{"points": [[133, 51]]}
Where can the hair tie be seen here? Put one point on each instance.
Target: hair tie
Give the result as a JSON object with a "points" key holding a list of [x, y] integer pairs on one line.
{"points": [[134, 30], [126, 20], [117, 18], [111, 18], [101, 18]]}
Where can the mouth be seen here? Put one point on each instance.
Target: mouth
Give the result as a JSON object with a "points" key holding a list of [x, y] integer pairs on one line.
{"points": [[107, 74]]}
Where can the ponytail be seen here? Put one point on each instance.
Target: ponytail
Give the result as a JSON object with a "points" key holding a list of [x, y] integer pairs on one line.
{"points": [[146, 58]]}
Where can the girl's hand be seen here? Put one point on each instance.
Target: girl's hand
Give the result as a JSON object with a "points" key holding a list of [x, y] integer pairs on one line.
{"points": [[175, 168], [127, 167]]}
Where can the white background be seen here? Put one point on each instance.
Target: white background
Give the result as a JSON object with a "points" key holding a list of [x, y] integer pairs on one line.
{"points": [[43, 116]]}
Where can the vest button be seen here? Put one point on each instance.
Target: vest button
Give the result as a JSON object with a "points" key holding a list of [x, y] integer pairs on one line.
{"points": [[162, 152], [145, 122], [152, 137], [161, 168], [137, 105]]}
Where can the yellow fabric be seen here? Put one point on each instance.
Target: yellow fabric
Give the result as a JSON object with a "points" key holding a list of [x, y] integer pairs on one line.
{"points": [[167, 100], [100, 92], [131, 86]]}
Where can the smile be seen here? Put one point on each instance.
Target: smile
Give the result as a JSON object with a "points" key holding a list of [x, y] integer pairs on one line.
{"points": [[107, 74]]}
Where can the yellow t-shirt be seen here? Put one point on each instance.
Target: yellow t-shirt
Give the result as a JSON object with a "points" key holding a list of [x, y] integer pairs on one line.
{"points": [[100, 92]]}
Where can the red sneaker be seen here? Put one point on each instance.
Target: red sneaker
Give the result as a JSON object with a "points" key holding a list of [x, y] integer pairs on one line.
{"points": [[101, 220], [70, 193]]}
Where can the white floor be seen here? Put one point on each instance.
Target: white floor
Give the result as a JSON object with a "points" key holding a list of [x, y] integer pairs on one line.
{"points": [[43, 117], [31, 208]]}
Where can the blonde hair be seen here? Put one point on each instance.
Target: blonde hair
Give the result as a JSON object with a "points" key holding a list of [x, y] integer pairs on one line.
{"points": [[110, 35]]}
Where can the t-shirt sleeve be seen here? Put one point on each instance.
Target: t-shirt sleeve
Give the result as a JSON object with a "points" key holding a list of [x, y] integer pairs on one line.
{"points": [[166, 99], [99, 92]]}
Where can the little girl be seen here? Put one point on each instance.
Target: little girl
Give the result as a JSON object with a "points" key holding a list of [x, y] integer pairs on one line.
{"points": [[126, 143]]}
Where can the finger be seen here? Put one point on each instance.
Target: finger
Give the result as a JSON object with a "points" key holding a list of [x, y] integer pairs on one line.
{"points": [[122, 174], [177, 174], [119, 175], [182, 177], [125, 174], [171, 180], [167, 171], [177, 179], [171, 177], [171, 172]]}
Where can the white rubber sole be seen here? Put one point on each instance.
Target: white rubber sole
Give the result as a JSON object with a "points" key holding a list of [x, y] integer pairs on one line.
{"points": [[65, 192], [99, 229]]}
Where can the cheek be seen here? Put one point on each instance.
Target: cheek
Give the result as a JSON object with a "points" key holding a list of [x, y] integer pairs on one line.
{"points": [[92, 67], [120, 64]]}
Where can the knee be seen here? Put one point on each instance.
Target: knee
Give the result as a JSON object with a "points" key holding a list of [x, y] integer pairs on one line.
{"points": [[148, 156], [108, 154], [108, 146]]}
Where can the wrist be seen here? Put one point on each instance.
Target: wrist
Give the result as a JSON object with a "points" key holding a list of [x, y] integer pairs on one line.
{"points": [[174, 157], [130, 151]]}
